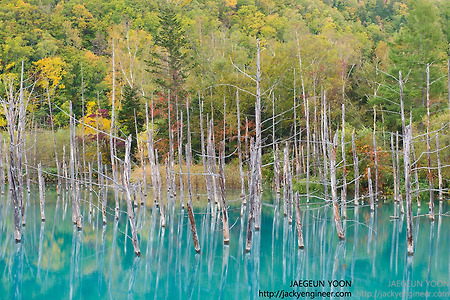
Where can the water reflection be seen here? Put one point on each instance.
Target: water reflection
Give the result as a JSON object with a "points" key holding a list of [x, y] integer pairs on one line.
{"points": [[99, 263]]}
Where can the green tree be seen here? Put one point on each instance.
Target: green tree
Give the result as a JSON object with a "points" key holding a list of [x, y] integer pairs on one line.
{"points": [[172, 63]]}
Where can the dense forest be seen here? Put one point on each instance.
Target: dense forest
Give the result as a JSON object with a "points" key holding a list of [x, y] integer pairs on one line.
{"points": [[347, 52]]}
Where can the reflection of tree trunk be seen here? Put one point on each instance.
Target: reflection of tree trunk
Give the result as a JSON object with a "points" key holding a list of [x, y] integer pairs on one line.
{"points": [[223, 277], [193, 276], [113, 250], [41, 241], [134, 270], [17, 272]]}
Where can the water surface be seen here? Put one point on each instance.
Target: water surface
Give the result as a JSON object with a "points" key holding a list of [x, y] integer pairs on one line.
{"points": [[56, 260]]}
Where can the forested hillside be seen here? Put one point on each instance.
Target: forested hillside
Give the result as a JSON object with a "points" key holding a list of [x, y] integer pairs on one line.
{"points": [[350, 52]]}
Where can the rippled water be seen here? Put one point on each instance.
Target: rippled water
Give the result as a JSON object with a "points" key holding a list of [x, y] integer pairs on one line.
{"points": [[55, 260]]}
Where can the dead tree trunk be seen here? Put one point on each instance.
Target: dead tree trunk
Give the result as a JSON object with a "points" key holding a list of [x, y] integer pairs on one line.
{"points": [[76, 214], [430, 175], [325, 138], [126, 184], [298, 221], [2, 166], [189, 203], [355, 169], [204, 160], [58, 167], [407, 168], [438, 157], [241, 171], [334, 196], [111, 135], [226, 230], [416, 173], [285, 181], [369, 179], [41, 192], [253, 156], [394, 167], [375, 153], [344, 168], [406, 158]]}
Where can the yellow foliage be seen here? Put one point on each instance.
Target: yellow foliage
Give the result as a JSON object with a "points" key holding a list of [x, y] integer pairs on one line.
{"points": [[104, 124], [91, 56], [51, 71], [231, 3], [90, 107]]}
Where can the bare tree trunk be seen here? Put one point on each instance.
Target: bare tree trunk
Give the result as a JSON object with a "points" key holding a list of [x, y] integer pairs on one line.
{"points": [[41, 192], [397, 156], [438, 156], [83, 130], [76, 215], [204, 160], [298, 221], [277, 175], [430, 175], [189, 203], [285, 181], [369, 179], [159, 190], [344, 168], [2, 165], [58, 167], [111, 134], [334, 196], [180, 154], [375, 153], [406, 158], [126, 183], [226, 230], [355, 168], [407, 169], [394, 167], [241, 171], [308, 130], [253, 178], [416, 173], [324, 145], [19, 146]]}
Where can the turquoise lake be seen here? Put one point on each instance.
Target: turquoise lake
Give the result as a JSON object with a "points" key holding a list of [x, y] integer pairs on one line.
{"points": [[56, 261]]}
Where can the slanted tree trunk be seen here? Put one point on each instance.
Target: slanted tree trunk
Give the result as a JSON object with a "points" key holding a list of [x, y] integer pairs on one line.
{"points": [[189, 203]]}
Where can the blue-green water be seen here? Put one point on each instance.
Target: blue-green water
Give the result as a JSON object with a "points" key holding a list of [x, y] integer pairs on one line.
{"points": [[56, 261]]}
